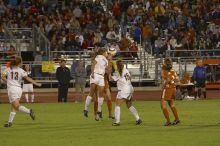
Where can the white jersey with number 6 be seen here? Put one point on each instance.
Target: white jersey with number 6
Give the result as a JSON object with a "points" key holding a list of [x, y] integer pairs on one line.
{"points": [[125, 88]]}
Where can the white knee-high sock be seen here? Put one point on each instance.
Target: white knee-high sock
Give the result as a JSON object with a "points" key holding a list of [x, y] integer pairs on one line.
{"points": [[23, 110], [11, 117], [100, 103], [32, 98], [117, 114], [134, 113], [26, 97], [87, 103]]}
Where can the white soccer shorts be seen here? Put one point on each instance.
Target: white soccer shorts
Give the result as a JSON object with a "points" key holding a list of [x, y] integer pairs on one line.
{"points": [[14, 93], [28, 88], [98, 80]]}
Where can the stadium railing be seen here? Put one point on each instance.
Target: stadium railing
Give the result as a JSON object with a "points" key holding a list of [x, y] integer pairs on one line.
{"points": [[193, 53]]}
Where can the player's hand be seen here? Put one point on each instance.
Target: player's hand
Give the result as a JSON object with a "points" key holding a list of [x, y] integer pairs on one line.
{"points": [[92, 75], [39, 84]]}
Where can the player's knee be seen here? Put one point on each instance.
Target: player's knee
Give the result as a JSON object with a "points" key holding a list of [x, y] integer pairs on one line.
{"points": [[163, 107]]}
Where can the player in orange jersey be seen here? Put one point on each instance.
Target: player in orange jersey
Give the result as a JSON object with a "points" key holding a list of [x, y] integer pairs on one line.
{"points": [[169, 80], [107, 88]]}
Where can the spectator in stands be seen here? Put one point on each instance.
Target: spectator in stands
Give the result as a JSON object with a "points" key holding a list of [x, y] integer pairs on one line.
{"points": [[124, 47], [97, 7], [112, 22], [146, 33], [137, 34], [173, 42], [134, 50], [2, 7], [80, 81], [74, 24], [63, 77], [116, 10], [97, 40], [111, 35], [11, 53], [77, 12], [159, 43]]}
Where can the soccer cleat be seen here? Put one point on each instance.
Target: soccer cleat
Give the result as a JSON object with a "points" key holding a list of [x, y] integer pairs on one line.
{"points": [[138, 122], [116, 124], [7, 125], [168, 124], [99, 114], [176, 122], [111, 117], [32, 115], [97, 117], [85, 113]]}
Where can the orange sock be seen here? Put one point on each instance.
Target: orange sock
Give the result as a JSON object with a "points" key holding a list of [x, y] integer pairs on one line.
{"points": [[166, 114], [175, 113], [95, 107], [109, 104]]}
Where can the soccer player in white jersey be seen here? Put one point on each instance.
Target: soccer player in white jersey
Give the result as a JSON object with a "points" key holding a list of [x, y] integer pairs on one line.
{"points": [[125, 93], [28, 86], [13, 76], [97, 83]]}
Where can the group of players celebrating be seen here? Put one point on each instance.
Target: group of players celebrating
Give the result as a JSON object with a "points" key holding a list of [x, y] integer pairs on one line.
{"points": [[101, 73]]}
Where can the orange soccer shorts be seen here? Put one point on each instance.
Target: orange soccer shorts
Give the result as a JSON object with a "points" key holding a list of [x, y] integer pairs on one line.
{"points": [[169, 94]]}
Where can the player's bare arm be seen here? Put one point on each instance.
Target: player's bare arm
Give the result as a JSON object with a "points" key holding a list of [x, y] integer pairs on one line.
{"points": [[32, 81]]}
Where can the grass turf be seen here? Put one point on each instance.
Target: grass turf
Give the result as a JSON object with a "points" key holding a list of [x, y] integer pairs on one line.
{"points": [[64, 124]]}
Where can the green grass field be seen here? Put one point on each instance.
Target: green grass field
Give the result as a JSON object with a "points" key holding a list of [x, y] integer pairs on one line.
{"points": [[64, 125]]}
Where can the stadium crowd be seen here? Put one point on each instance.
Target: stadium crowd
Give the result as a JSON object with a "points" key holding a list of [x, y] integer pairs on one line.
{"points": [[159, 25]]}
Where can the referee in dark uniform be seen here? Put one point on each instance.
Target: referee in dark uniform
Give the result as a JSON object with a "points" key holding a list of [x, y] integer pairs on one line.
{"points": [[63, 77]]}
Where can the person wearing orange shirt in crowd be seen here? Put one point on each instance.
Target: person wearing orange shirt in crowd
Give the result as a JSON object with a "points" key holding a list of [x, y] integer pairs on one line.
{"points": [[124, 46], [147, 33], [169, 80]]}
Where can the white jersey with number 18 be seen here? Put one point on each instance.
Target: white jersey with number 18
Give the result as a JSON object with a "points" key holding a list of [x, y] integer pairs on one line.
{"points": [[123, 81]]}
